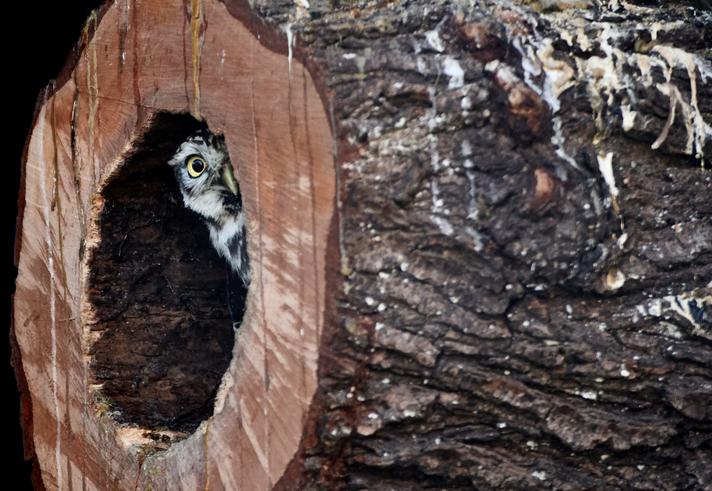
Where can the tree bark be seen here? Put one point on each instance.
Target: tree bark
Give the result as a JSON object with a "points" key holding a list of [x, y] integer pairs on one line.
{"points": [[481, 231]]}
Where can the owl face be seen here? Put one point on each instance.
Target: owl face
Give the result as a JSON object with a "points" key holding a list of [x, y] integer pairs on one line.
{"points": [[204, 174]]}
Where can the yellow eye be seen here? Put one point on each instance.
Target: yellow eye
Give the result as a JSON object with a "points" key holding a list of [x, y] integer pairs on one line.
{"points": [[196, 165]]}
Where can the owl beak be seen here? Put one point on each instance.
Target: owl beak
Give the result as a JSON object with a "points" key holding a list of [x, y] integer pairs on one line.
{"points": [[228, 178]]}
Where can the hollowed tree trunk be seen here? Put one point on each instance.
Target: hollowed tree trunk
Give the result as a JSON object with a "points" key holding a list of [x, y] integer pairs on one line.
{"points": [[481, 238]]}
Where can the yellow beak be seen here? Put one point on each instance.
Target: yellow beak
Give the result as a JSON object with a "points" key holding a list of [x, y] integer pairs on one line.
{"points": [[229, 178]]}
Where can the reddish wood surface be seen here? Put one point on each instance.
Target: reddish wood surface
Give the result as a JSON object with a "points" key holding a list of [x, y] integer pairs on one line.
{"points": [[523, 244], [199, 58]]}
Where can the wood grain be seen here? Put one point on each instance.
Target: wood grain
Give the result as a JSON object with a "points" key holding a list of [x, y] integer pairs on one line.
{"points": [[171, 56]]}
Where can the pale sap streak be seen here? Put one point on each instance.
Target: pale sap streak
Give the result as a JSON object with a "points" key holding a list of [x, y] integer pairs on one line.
{"points": [[52, 300]]}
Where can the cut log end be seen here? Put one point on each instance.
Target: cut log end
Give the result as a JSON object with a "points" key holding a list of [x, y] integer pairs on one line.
{"points": [[121, 311]]}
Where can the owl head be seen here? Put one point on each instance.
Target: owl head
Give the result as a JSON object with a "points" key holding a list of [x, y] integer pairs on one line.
{"points": [[204, 174]]}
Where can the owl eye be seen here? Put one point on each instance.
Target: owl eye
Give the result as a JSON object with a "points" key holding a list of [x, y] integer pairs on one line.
{"points": [[196, 165]]}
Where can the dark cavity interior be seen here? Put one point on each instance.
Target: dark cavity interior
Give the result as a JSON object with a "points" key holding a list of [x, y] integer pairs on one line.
{"points": [[159, 291]]}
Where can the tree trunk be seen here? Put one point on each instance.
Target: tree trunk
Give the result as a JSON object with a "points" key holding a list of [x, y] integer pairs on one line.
{"points": [[481, 237]]}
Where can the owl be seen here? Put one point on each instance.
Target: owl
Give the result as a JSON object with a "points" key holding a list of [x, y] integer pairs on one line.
{"points": [[204, 175]]}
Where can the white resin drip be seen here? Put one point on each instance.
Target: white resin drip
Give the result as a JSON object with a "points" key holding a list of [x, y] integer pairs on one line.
{"points": [[290, 42], [452, 68]]}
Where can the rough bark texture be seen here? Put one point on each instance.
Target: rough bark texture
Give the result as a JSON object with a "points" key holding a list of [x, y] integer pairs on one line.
{"points": [[526, 301], [523, 234]]}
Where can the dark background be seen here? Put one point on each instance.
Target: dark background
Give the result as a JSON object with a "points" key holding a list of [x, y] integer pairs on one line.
{"points": [[39, 39]]}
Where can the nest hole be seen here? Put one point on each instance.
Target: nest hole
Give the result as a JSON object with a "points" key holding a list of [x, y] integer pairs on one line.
{"points": [[163, 331]]}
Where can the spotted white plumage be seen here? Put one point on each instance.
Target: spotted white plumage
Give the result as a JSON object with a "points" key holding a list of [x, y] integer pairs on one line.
{"points": [[204, 174]]}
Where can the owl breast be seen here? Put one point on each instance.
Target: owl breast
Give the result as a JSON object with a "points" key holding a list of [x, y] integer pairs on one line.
{"points": [[228, 238]]}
